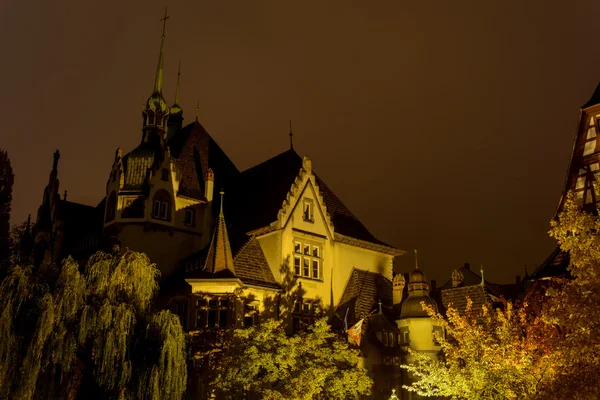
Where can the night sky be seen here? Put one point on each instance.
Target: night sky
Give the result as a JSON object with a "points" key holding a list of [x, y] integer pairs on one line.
{"points": [[444, 126]]}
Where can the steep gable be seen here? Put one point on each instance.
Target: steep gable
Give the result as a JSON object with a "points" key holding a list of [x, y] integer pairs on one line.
{"points": [[262, 190], [196, 152]]}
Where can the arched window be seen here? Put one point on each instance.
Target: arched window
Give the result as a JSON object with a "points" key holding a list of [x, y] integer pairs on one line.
{"points": [[161, 205], [111, 206]]}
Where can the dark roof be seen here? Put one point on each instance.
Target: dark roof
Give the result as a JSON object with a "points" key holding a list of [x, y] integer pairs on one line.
{"points": [[473, 279], [362, 294], [251, 265], [458, 298], [137, 165], [595, 99], [263, 188], [196, 152], [556, 264]]}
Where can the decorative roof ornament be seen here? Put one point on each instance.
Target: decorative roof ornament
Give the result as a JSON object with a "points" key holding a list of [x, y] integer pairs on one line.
{"points": [[482, 279], [416, 260], [291, 136], [393, 396], [197, 109], [380, 312]]}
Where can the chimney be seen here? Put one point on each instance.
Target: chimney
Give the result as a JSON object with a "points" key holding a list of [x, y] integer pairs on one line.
{"points": [[457, 278], [518, 280], [433, 285], [210, 184], [398, 288]]}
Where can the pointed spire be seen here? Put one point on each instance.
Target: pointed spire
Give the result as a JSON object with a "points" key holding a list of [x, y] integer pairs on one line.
{"points": [[65, 196], [380, 312], [291, 136], [159, 68], [482, 279], [219, 255], [177, 87]]}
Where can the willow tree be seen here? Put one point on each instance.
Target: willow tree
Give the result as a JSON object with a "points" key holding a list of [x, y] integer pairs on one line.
{"points": [[90, 334], [263, 362]]}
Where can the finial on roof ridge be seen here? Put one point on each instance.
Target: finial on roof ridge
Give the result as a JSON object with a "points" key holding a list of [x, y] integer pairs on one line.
{"points": [[416, 260], [482, 278], [222, 193], [291, 136]]}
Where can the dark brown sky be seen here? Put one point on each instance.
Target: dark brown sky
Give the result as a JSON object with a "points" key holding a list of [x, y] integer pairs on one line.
{"points": [[444, 125]]}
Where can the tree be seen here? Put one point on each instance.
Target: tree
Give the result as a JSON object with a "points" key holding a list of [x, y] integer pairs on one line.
{"points": [[67, 334], [262, 362], [7, 179], [548, 347], [573, 308], [503, 353]]}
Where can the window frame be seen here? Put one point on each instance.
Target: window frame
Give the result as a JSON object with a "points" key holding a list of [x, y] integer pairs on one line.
{"points": [[192, 217], [222, 312], [308, 253]]}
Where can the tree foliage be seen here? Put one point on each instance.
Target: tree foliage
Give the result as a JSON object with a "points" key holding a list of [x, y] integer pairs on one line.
{"points": [[7, 179], [262, 362], [90, 334], [487, 354], [547, 347]]}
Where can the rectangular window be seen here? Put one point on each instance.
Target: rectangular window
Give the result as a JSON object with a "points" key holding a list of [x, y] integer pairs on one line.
{"points": [[156, 209], [307, 260], [307, 211], [200, 319], [188, 219], [305, 312], [163, 210]]}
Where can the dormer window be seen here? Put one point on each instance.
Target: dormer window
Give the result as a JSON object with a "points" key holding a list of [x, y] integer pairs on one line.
{"points": [[307, 211], [189, 217]]}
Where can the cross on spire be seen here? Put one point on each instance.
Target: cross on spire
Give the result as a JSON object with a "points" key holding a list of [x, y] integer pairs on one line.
{"points": [[164, 20]]}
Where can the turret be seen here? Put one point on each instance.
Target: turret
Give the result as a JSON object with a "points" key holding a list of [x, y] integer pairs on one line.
{"points": [[156, 111]]}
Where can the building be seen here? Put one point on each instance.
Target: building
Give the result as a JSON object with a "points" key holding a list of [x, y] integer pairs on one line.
{"points": [[583, 170], [235, 247]]}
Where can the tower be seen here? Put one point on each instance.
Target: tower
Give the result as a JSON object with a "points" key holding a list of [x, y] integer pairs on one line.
{"points": [[155, 113]]}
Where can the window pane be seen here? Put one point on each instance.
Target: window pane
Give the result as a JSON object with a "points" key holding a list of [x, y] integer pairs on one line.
{"points": [[297, 307], [200, 319], [225, 303], [306, 267], [163, 210], [212, 318], [156, 209], [307, 249], [201, 303], [315, 251], [223, 315], [297, 247], [297, 265], [315, 264], [248, 320], [212, 303]]}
